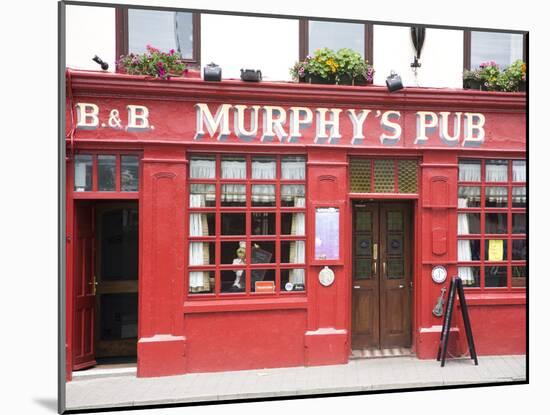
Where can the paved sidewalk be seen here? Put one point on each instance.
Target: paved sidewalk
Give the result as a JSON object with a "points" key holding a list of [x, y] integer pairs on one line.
{"points": [[358, 375]]}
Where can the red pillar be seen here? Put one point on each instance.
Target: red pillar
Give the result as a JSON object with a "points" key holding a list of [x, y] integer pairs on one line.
{"points": [[161, 343], [326, 338]]}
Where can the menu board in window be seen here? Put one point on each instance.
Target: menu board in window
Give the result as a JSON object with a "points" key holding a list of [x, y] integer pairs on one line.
{"points": [[327, 234]]}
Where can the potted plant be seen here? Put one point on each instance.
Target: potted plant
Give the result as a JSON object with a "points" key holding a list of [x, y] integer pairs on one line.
{"points": [[153, 63], [326, 66], [513, 78], [471, 79], [352, 68]]}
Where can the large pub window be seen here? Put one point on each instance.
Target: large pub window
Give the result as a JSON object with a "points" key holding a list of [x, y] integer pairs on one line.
{"points": [[500, 47], [246, 225], [315, 34], [165, 30], [492, 226]]}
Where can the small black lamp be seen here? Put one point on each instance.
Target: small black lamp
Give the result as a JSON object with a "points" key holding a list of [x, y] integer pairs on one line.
{"points": [[251, 75], [393, 82], [99, 61], [212, 72]]}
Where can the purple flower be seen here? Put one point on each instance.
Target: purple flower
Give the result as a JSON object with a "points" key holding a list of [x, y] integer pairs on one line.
{"points": [[172, 51]]}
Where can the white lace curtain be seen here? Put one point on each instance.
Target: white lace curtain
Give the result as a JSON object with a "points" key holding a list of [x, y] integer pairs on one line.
{"points": [[519, 171], [264, 169], [293, 169], [496, 172], [469, 172], [199, 252], [298, 248], [464, 247], [203, 169]]}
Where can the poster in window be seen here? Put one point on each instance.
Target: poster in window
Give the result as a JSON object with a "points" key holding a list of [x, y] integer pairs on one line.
{"points": [[496, 251], [327, 233]]}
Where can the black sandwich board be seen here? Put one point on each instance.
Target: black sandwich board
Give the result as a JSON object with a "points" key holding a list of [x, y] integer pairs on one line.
{"points": [[456, 285]]}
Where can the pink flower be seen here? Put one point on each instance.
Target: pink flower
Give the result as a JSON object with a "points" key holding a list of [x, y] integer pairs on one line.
{"points": [[172, 51]]}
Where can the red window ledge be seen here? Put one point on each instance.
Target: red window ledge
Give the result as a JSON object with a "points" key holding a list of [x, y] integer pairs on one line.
{"points": [[209, 306], [476, 299]]}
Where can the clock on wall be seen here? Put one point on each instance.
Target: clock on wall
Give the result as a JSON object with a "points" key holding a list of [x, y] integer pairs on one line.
{"points": [[439, 274]]}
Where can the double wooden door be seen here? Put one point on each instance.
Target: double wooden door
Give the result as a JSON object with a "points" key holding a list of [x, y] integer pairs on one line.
{"points": [[382, 280]]}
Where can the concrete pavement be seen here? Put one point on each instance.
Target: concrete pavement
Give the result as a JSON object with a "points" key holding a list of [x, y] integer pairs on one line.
{"points": [[102, 390]]}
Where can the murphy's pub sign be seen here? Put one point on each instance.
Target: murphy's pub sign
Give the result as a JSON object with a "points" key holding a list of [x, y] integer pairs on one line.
{"points": [[298, 125]]}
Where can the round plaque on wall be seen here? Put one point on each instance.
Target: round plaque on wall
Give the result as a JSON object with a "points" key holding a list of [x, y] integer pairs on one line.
{"points": [[439, 274], [326, 276]]}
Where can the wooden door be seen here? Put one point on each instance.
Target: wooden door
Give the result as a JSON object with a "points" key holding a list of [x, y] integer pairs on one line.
{"points": [[117, 279], [395, 278], [365, 281], [381, 275], [84, 283]]}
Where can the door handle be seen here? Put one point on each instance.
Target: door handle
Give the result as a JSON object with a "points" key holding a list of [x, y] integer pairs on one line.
{"points": [[356, 286], [384, 268], [94, 283], [375, 269], [401, 286]]}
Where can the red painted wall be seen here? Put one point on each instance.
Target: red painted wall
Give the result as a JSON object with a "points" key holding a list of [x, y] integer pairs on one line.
{"points": [[178, 334]]}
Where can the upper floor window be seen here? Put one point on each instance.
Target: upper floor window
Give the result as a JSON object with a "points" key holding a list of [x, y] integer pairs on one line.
{"points": [[316, 34], [502, 48], [165, 30]]}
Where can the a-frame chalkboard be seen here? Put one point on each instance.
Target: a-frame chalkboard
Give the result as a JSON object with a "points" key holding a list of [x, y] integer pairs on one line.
{"points": [[456, 285]]}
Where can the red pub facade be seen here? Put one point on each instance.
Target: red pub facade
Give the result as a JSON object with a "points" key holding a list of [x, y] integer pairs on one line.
{"points": [[217, 226]]}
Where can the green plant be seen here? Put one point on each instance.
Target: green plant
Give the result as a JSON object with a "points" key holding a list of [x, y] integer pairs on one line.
{"points": [[153, 63], [509, 80], [333, 66], [489, 73]]}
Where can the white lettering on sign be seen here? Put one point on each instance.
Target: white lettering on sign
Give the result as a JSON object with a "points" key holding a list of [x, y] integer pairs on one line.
{"points": [[323, 125], [87, 116]]}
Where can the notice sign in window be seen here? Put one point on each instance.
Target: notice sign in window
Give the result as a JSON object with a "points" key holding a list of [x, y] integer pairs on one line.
{"points": [[327, 233], [496, 251]]}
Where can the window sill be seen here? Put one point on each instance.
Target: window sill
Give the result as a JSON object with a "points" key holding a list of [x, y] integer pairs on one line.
{"points": [[244, 304], [477, 299]]}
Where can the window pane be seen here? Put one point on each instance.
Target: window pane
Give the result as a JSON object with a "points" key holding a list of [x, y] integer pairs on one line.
{"points": [[519, 249], [468, 223], [202, 224], [336, 35], [383, 176], [293, 252], [233, 252], [129, 173], [202, 253], [293, 168], [233, 195], [82, 172], [469, 276], [233, 281], [264, 168], [293, 195], [201, 282], [496, 197], [118, 316], [496, 250], [519, 171], [263, 252], [519, 224], [468, 250], [293, 224], [495, 276], [519, 276], [496, 223], [263, 195], [496, 171], [469, 196], [202, 167], [519, 197], [161, 29], [233, 223], [202, 195], [469, 171], [106, 172], [293, 279], [503, 48], [233, 168], [263, 223], [262, 275]]}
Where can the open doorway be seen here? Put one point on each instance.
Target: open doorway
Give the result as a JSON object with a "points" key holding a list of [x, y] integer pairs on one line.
{"points": [[106, 283]]}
